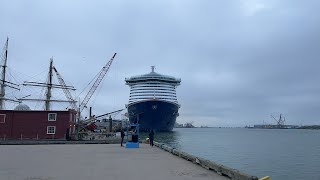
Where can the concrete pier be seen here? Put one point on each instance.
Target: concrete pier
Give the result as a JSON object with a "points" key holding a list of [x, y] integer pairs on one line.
{"points": [[96, 161]]}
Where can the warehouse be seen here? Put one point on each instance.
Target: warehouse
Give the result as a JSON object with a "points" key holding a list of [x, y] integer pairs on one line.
{"points": [[27, 124]]}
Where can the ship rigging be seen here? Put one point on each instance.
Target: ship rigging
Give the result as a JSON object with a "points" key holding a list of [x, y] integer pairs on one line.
{"points": [[4, 82]]}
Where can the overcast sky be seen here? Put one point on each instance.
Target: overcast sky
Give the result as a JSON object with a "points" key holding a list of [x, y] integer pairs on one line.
{"points": [[240, 61]]}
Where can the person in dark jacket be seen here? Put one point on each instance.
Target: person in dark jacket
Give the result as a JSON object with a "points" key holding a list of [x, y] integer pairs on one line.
{"points": [[151, 137], [122, 136]]}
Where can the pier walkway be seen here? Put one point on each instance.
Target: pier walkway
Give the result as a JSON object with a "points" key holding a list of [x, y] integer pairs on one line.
{"points": [[96, 162]]}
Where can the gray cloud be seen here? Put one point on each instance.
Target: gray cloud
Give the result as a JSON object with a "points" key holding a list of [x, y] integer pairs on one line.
{"points": [[239, 61]]}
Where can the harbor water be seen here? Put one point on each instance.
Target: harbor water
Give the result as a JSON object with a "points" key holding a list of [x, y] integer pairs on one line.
{"points": [[280, 153]]}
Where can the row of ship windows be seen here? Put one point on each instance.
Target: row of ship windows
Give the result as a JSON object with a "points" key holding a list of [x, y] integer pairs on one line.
{"points": [[153, 89], [165, 86], [145, 78], [156, 95], [142, 86], [150, 82], [162, 86], [153, 92], [131, 100]]}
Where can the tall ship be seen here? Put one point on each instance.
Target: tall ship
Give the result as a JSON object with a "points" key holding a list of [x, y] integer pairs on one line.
{"points": [[153, 101]]}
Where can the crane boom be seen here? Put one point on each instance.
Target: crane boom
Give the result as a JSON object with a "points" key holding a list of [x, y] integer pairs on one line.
{"points": [[109, 113], [100, 77], [65, 89]]}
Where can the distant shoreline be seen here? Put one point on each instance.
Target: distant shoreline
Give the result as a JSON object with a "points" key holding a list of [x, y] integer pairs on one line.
{"points": [[311, 127]]}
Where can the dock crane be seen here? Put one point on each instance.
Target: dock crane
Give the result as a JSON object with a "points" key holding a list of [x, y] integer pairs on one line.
{"points": [[90, 122], [280, 121], [66, 91], [113, 112], [95, 85]]}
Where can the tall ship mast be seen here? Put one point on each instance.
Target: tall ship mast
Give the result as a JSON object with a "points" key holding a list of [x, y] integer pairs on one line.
{"points": [[49, 85], [4, 83], [153, 101]]}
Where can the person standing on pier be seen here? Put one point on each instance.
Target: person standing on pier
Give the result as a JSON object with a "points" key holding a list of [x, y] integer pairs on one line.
{"points": [[122, 136], [151, 136]]}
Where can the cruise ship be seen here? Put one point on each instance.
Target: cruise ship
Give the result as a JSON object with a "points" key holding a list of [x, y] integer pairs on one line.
{"points": [[153, 101]]}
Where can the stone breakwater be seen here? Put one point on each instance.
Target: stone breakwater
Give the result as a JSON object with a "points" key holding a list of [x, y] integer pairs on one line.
{"points": [[218, 168]]}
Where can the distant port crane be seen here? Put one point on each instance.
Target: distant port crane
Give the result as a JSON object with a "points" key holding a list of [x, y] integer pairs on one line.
{"points": [[281, 121]]}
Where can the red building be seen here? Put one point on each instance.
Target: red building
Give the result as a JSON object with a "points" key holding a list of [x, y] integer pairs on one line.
{"points": [[17, 124]]}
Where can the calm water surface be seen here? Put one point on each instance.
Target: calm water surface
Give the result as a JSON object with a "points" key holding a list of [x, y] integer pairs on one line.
{"points": [[281, 154]]}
